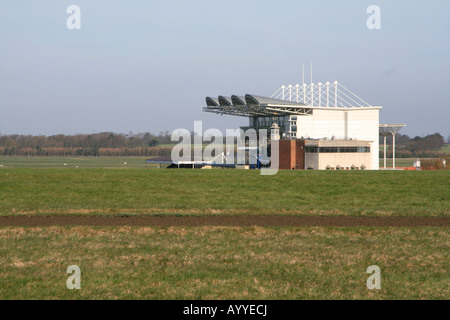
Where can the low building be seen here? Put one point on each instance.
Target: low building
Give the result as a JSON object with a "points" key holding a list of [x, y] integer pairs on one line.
{"points": [[337, 154], [321, 154]]}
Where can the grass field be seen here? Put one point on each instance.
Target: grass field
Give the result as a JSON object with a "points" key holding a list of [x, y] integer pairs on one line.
{"points": [[116, 162], [74, 162], [227, 191], [210, 262], [399, 162], [224, 263]]}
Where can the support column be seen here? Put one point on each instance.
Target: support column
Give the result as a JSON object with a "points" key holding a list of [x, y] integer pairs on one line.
{"points": [[393, 151], [384, 152], [335, 94], [320, 94]]}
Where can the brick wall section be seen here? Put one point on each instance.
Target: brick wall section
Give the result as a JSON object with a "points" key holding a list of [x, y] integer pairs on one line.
{"points": [[300, 154], [292, 154], [285, 154]]}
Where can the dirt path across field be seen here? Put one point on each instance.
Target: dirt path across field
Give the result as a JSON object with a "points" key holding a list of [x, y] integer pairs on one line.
{"points": [[279, 221]]}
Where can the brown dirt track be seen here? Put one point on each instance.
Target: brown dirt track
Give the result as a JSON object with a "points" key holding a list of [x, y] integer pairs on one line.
{"points": [[274, 221]]}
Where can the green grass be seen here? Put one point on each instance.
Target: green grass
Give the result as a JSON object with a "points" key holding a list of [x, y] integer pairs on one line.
{"points": [[113, 191], [399, 162], [73, 162], [118, 162], [224, 263], [220, 262]]}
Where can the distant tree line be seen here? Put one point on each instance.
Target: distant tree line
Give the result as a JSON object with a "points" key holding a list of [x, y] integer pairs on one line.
{"points": [[147, 144], [99, 144], [420, 147]]}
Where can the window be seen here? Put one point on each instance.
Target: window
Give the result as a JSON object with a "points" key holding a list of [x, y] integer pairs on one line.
{"points": [[312, 149], [337, 149]]}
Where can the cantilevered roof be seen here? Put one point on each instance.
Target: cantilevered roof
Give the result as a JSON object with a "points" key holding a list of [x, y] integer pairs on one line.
{"points": [[238, 100], [225, 101], [254, 100], [212, 102], [286, 101], [390, 128], [254, 105]]}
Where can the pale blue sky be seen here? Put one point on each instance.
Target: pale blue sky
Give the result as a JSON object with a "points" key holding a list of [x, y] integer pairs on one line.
{"points": [[148, 65]]}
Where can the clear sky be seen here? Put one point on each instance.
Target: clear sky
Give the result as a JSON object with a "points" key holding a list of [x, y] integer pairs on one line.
{"points": [[148, 65]]}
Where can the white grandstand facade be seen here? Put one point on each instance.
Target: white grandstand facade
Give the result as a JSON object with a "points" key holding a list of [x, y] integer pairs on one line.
{"points": [[311, 112]]}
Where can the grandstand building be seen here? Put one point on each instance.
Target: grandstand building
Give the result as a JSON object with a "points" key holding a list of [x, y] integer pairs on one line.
{"points": [[335, 129]]}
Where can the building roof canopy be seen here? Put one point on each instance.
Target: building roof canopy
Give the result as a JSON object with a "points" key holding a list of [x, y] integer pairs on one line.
{"points": [[238, 100], [225, 101], [390, 129], [212, 102], [252, 105], [254, 100]]}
